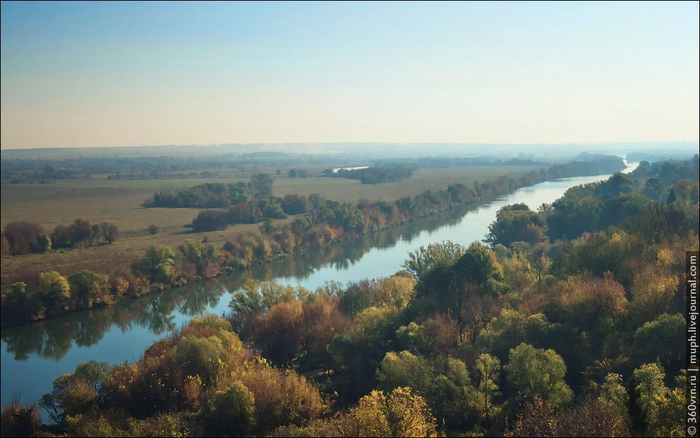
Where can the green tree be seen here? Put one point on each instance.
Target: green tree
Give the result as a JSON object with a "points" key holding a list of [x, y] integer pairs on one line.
{"points": [[424, 259], [662, 338], [88, 286], [44, 242], [648, 386], [191, 251], [534, 372], [230, 412], [488, 371], [54, 287], [157, 263]]}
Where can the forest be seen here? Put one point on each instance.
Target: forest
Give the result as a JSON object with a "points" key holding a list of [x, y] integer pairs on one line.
{"points": [[551, 327]]}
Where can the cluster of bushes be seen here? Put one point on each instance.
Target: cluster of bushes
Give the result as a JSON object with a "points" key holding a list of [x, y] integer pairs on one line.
{"points": [[27, 237], [373, 175]]}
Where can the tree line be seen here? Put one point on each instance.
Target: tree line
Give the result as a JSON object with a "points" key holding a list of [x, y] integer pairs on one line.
{"points": [[583, 337]]}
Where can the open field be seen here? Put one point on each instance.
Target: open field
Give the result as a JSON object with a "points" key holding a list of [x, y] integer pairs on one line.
{"points": [[99, 199]]}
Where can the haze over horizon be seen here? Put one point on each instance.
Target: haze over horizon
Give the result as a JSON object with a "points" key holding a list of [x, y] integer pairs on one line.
{"points": [[110, 74]]}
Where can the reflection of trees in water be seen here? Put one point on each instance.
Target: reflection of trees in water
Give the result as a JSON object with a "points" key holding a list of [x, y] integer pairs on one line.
{"points": [[51, 339]]}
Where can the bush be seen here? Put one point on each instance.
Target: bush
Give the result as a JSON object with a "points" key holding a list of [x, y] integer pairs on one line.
{"points": [[153, 229]]}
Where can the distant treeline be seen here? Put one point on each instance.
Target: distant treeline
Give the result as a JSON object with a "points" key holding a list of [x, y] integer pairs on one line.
{"points": [[445, 162], [52, 294], [374, 175]]}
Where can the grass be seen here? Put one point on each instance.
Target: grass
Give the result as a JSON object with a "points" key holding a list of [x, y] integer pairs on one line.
{"points": [[99, 199]]}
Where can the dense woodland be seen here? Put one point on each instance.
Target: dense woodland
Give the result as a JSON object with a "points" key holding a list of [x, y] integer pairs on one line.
{"points": [[547, 331]]}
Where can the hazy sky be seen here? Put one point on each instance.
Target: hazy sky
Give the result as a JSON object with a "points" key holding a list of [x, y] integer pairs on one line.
{"points": [[127, 74]]}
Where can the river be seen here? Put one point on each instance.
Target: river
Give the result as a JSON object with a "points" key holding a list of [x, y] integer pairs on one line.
{"points": [[33, 355]]}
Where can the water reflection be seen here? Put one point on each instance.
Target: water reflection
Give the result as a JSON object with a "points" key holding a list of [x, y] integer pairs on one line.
{"points": [[52, 339]]}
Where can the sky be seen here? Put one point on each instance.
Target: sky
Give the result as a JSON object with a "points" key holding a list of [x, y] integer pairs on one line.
{"points": [[130, 74]]}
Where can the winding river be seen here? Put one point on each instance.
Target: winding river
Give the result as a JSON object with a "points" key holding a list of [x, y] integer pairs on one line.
{"points": [[35, 354]]}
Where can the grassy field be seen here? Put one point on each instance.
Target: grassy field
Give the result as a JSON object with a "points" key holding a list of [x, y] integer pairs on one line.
{"points": [[99, 199]]}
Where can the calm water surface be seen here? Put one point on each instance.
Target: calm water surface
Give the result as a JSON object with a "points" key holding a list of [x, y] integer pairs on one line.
{"points": [[35, 354]]}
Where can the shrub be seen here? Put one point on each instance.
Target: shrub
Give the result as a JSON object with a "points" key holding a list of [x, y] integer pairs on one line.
{"points": [[153, 229]]}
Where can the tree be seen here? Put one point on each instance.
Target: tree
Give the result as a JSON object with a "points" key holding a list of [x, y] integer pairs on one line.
{"points": [[89, 286], [648, 387], [538, 418], [157, 263], [260, 184], [534, 372], [80, 231], [109, 231], [230, 412], [514, 224], [671, 197], [503, 333], [662, 338], [44, 242], [75, 394], [488, 371], [54, 287], [424, 259], [399, 414], [478, 266], [654, 189], [198, 356], [22, 237]]}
